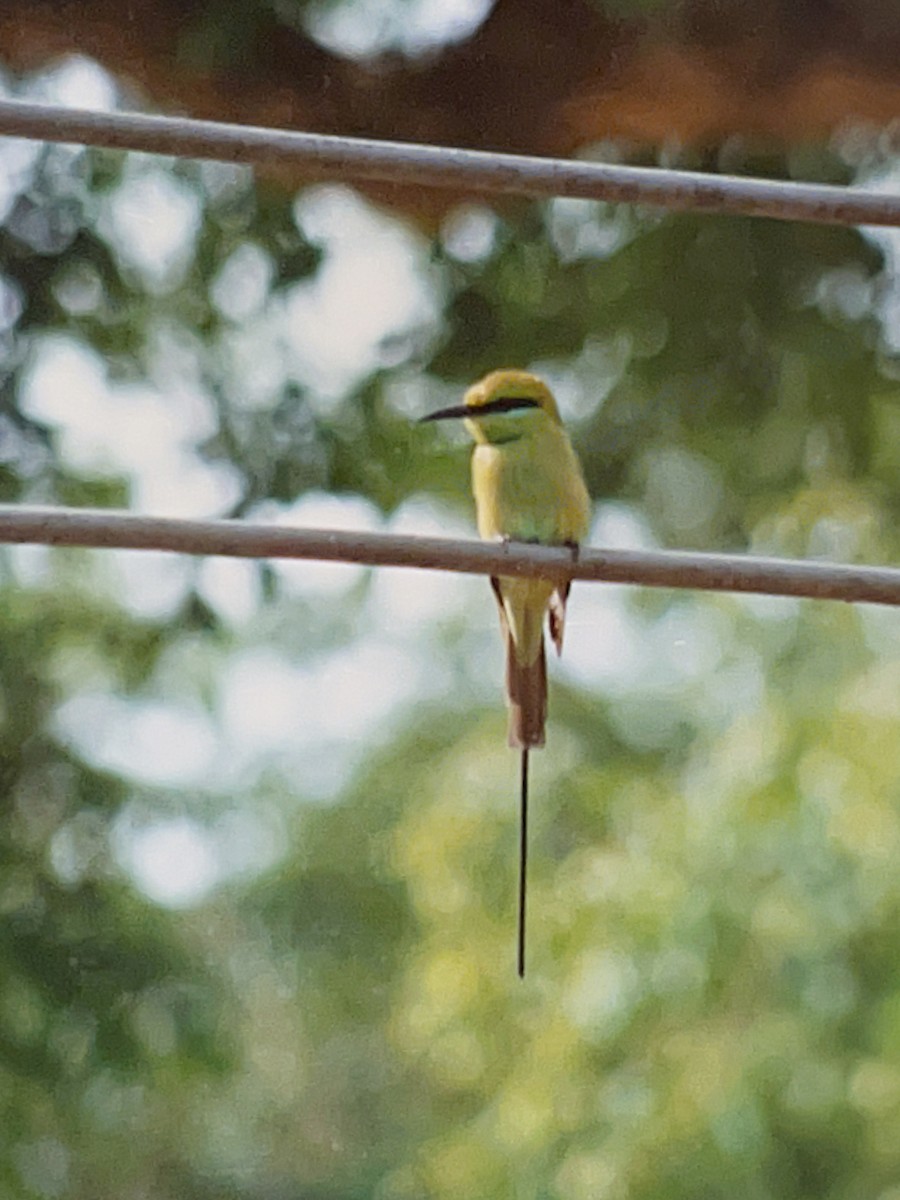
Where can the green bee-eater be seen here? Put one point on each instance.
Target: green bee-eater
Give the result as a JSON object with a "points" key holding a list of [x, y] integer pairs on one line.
{"points": [[528, 487]]}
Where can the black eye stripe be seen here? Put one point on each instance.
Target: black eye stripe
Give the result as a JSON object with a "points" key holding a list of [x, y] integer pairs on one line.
{"points": [[504, 404]]}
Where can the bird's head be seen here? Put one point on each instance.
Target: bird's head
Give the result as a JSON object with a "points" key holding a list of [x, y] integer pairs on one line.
{"points": [[503, 407]]}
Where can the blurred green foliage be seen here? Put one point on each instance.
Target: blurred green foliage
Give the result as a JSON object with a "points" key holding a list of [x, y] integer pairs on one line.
{"points": [[713, 1007]]}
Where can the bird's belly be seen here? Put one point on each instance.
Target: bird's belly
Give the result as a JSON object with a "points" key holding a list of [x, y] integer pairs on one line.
{"points": [[518, 502]]}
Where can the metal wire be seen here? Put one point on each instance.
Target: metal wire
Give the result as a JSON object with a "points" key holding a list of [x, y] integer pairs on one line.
{"points": [[353, 159], [647, 568], [321, 156]]}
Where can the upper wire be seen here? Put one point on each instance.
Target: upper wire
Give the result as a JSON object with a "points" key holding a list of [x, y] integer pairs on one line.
{"points": [[358, 159]]}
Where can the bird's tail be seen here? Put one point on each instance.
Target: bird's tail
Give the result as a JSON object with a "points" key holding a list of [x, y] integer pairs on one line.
{"points": [[526, 691]]}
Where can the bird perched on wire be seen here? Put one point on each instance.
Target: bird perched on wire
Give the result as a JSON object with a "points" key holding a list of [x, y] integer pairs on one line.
{"points": [[528, 487]]}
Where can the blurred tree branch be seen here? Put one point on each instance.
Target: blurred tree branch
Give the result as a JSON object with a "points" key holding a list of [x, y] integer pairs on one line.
{"points": [[696, 72]]}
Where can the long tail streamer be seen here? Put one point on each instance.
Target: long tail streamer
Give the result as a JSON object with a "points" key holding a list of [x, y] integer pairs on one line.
{"points": [[523, 860]]}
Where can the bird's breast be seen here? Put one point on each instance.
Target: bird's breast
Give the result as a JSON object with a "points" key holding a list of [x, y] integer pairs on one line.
{"points": [[528, 493]]}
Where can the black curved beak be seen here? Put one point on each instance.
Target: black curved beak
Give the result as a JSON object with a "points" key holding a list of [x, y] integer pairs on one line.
{"points": [[448, 414]]}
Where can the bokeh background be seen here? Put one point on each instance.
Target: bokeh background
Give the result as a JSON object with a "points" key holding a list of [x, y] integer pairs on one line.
{"points": [[257, 821]]}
